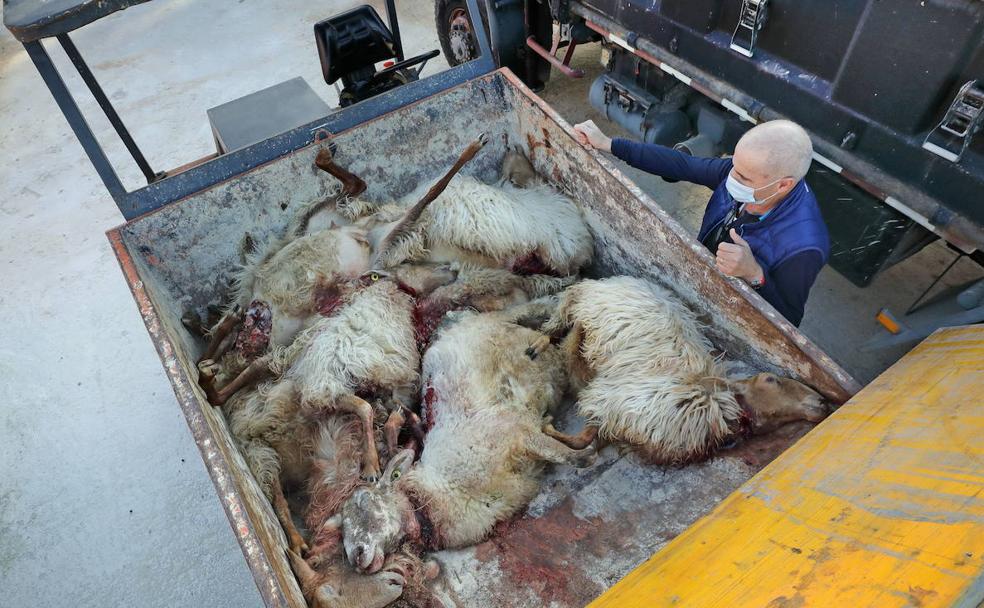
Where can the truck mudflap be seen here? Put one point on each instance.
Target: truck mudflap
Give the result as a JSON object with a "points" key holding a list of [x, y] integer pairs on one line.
{"points": [[586, 528]]}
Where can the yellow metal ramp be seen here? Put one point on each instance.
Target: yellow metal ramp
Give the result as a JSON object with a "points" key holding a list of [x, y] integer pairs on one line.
{"points": [[881, 505]]}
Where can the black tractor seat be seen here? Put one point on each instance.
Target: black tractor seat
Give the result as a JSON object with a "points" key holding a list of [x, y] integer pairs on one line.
{"points": [[350, 45]]}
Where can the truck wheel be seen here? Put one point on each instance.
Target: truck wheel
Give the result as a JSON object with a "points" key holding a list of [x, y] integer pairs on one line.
{"points": [[455, 30]]}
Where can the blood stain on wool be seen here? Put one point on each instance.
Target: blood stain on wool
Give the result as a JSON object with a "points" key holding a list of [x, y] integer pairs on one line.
{"points": [[254, 337]]}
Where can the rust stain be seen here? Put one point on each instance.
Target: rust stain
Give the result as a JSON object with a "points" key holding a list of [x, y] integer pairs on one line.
{"points": [[918, 595]]}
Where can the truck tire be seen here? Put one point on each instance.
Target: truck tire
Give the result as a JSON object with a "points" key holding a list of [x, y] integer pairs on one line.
{"points": [[455, 30]]}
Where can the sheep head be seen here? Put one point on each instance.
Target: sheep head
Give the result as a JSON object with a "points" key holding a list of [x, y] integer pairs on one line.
{"points": [[374, 518], [773, 401], [417, 280]]}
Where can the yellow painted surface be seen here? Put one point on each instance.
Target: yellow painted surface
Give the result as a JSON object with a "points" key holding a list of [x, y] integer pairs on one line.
{"points": [[881, 505]]}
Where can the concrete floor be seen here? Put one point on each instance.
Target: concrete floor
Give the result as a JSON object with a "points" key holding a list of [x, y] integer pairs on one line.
{"points": [[103, 496]]}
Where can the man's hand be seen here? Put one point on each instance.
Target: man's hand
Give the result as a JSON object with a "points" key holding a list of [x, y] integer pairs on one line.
{"points": [[737, 260], [588, 134]]}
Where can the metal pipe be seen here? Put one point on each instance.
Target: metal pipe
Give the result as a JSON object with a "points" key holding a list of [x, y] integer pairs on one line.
{"points": [[394, 24], [552, 59], [107, 107], [49, 73]]}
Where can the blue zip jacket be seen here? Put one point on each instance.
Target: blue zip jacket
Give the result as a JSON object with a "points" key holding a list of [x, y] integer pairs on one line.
{"points": [[790, 243]]}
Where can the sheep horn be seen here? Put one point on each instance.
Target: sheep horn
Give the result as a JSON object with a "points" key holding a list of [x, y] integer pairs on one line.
{"points": [[409, 220]]}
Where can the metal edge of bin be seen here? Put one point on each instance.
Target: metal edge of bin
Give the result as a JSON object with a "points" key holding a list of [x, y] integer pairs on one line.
{"points": [[257, 560], [847, 383]]}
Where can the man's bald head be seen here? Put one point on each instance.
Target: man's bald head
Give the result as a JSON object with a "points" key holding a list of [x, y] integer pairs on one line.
{"points": [[779, 148]]}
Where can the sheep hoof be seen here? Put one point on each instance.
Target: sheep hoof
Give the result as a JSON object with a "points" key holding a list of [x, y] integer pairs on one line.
{"points": [[207, 369], [585, 458], [371, 474], [298, 546], [193, 323], [538, 347]]}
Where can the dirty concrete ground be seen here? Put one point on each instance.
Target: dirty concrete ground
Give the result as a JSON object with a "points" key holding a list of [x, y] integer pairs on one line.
{"points": [[103, 497]]}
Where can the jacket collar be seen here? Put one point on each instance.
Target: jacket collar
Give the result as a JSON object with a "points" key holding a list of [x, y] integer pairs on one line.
{"points": [[785, 206]]}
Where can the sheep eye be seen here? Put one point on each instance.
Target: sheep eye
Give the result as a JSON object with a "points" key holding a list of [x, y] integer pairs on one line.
{"points": [[770, 379], [396, 474], [374, 277]]}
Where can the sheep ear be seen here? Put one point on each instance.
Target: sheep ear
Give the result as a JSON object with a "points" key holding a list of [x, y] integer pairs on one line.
{"points": [[398, 466]]}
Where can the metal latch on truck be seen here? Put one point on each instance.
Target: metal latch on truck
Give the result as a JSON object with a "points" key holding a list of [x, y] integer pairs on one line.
{"points": [[962, 120], [750, 21]]}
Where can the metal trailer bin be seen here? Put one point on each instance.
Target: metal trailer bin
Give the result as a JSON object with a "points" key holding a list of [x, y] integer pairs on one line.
{"points": [[587, 528]]}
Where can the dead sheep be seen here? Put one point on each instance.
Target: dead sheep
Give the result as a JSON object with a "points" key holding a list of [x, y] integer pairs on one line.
{"points": [[647, 377], [484, 404]]}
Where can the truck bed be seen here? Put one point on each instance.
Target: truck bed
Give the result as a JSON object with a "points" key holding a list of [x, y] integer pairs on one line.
{"points": [[587, 528]]}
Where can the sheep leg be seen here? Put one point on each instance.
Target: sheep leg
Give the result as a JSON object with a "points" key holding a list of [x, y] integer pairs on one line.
{"points": [[543, 447], [226, 345], [254, 373], [532, 314], [575, 442], [306, 576], [392, 430], [282, 509], [221, 331], [556, 326], [206, 378], [352, 184], [409, 219], [370, 458]]}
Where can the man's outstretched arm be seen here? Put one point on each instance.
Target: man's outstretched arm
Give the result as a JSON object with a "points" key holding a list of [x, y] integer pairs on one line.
{"points": [[667, 162], [657, 159]]}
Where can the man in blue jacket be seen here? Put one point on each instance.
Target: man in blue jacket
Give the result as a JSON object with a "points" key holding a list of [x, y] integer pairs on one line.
{"points": [[762, 221]]}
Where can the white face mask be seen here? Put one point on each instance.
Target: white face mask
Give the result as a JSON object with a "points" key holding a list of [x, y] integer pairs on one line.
{"points": [[746, 194]]}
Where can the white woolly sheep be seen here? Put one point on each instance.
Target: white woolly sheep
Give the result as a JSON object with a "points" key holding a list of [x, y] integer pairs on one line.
{"points": [[647, 378], [484, 404]]}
